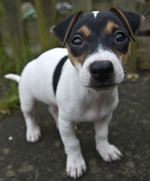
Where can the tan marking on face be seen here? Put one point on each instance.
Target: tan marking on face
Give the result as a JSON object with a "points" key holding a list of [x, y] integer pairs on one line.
{"points": [[122, 56], [79, 59], [125, 57], [85, 31], [110, 26]]}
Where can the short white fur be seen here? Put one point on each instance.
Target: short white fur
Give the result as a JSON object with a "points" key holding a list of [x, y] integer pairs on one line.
{"points": [[100, 55], [73, 103], [95, 13]]}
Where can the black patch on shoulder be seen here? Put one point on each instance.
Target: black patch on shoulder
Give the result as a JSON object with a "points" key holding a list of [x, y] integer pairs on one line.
{"points": [[57, 73]]}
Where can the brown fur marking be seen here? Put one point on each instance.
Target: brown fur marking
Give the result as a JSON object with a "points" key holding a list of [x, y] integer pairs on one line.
{"points": [[79, 59], [110, 26], [85, 31], [123, 57]]}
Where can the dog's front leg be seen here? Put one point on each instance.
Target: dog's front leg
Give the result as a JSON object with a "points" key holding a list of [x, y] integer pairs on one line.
{"points": [[75, 165], [107, 151]]}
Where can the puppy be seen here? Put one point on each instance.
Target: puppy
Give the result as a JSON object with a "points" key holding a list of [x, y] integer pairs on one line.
{"points": [[80, 83]]}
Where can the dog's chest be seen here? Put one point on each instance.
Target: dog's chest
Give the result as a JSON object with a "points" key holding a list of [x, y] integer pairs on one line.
{"points": [[93, 108], [92, 112]]}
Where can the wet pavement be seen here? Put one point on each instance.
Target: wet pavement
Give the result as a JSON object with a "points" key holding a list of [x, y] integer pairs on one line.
{"points": [[45, 160]]}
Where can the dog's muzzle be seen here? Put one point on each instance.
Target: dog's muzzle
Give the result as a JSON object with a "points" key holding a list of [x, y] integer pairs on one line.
{"points": [[101, 74]]}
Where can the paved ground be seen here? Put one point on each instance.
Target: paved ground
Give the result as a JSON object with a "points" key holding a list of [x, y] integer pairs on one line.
{"points": [[45, 160]]}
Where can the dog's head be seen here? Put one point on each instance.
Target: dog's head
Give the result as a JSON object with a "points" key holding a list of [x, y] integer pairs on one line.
{"points": [[98, 44]]}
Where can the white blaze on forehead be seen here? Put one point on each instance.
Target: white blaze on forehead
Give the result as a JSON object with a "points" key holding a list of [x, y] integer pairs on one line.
{"points": [[95, 13]]}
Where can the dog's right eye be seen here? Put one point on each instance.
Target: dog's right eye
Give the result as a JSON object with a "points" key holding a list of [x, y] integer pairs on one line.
{"points": [[120, 37], [76, 41]]}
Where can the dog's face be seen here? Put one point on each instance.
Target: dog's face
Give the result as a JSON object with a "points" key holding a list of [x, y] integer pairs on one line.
{"points": [[96, 47], [98, 44]]}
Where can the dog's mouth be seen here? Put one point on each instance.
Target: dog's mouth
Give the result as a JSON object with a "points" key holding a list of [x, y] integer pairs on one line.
{"points": [[102, 87]]}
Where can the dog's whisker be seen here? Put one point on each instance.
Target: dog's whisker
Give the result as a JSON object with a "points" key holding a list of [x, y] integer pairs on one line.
{"points": [[131, 74]]}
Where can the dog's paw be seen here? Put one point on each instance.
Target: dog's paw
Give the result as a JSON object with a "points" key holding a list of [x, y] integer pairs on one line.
{"points": [[109, 152], [33, 134], [75, 166]]}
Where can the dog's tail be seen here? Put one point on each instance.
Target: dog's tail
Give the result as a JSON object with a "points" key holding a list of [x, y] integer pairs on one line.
{"points": [[12, 77]]}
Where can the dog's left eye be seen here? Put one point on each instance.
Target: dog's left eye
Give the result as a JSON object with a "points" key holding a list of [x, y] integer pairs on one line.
{"points": [[76, 41], [120, 37]]}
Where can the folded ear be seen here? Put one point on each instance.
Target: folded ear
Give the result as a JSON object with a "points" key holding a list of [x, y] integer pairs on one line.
{"points": [[63, 29], [132, 21]]}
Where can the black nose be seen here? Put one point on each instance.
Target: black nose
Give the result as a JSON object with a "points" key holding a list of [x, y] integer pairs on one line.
{"points": [[101, 70]]}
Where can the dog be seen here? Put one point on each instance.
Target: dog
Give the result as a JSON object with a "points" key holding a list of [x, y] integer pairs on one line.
{"points": [[79, 82]]}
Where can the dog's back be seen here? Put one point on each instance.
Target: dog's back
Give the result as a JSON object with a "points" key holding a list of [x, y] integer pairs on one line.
{"points": [[38, 75]]}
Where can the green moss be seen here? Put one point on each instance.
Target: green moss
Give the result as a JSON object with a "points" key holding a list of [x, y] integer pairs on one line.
{"points": [[9, 103], [9, 96]]}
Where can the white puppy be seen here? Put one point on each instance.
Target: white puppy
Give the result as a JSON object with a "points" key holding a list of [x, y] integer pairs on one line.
{"points": [[82, 87]]}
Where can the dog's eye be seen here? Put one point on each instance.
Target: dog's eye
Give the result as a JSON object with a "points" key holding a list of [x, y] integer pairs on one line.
{"points": [[120, 37], [76, 40]]}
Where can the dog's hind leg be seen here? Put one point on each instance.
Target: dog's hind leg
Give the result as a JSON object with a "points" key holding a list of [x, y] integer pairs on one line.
{"points": [[33, 133], [53, 110]]}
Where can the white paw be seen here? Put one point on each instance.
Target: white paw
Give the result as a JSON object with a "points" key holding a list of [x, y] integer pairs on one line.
{"points": [[109, 152], [33, 134], [75, 166]]}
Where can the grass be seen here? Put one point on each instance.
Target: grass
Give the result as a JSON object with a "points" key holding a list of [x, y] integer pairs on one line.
{"points": [[8, 103], [9, 100], [9, 89], [9, 96], [6, 63]]}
